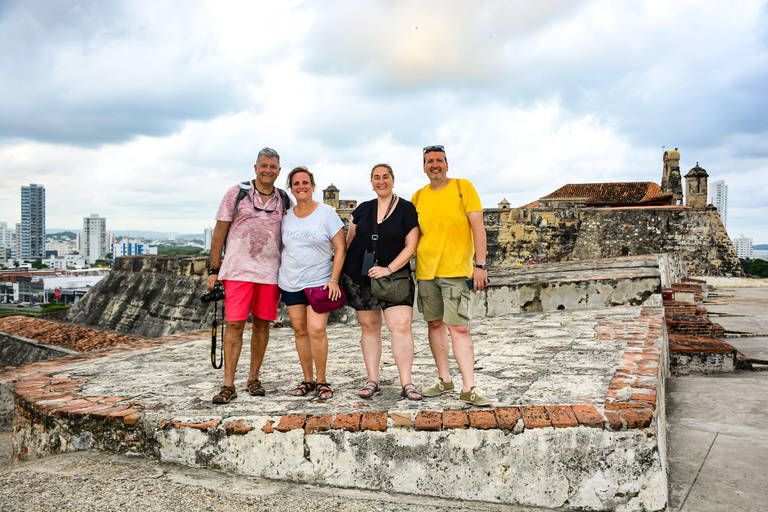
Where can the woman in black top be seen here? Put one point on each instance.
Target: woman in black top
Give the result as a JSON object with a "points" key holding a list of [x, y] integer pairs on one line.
{"points": [[398, 235]]}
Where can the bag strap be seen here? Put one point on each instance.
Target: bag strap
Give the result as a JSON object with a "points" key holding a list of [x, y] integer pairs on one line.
{"points": [[374, 233]]}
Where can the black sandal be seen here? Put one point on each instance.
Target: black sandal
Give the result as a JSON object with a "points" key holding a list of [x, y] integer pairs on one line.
{"points": [[371, 388], [410, 392], [303, 388], [323, 388]]}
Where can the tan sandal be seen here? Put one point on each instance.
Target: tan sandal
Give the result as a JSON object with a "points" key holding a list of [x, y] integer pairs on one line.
{"points": [[255, 388], [226, 394]]}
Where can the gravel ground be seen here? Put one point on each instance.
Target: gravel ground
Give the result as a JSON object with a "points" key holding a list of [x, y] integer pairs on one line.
{"points": [[91, 481]]}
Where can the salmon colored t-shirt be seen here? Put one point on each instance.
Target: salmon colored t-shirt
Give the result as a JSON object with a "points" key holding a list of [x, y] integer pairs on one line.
{"points": [[446, 247]]}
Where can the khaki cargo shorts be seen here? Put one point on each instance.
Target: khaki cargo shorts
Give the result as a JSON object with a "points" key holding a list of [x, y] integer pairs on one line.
{"points": [[446, 299]]}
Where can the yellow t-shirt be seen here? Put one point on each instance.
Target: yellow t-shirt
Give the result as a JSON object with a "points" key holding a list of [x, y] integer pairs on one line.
{"points": [[446, 247]]}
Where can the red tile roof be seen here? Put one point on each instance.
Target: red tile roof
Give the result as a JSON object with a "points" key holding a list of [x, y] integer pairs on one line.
{"points": [[625, 193]]}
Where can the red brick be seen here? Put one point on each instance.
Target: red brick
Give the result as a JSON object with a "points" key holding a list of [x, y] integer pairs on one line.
{"points": [[429, 421], [200, 426], [588, 415], [112, 400], [374, 420], [348, 422], [85, 410], [402, 419], [507, 417], [618, 406], [637, 419], [119, 415], [318, 423], [104, 413], [131, 419], [561, 416], [535, 416], [614, 421], [455, 419], [268, 428], [237, 428], [482, 419], [290, 422]]}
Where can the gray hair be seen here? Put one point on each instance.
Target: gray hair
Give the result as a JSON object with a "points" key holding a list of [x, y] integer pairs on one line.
{"points": [[269, 153]]}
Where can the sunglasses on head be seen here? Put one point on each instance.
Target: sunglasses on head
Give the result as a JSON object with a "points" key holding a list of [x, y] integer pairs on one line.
{"points": [[429, 149]]}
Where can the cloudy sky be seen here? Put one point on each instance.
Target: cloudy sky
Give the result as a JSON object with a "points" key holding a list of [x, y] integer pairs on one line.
{"points": [[145, 112]]}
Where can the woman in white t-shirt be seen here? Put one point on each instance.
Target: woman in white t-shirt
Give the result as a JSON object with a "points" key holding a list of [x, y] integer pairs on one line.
{"points": [[313, 254]]}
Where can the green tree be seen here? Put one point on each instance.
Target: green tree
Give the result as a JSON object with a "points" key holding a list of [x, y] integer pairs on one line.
{"points": [[38, 263], [757, 268]]}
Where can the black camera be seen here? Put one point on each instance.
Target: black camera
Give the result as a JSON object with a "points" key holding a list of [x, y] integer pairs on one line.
{"points": [[214, 295]]}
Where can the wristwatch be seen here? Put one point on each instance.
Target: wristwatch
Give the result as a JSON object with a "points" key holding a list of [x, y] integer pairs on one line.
{"points": [[484, 266]]}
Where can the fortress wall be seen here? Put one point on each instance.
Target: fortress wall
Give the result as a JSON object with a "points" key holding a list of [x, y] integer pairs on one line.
{"points": [[148, 296], [698, 234], [547, 236]]}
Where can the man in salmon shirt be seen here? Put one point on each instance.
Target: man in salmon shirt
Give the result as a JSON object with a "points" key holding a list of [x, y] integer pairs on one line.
{"points": [[251, 230]]}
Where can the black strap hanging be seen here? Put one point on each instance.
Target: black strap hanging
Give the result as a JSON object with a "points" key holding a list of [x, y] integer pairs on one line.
{"points": [[213, 336]]}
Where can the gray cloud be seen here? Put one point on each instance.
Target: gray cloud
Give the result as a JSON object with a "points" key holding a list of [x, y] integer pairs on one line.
{"points": [[88, 73]]}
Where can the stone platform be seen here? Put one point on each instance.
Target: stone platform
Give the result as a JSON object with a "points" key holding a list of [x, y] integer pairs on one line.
{"points": [[577, 421]]}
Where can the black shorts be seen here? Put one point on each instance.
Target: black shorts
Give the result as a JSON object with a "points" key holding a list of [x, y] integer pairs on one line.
{"points": [[294, 298]]}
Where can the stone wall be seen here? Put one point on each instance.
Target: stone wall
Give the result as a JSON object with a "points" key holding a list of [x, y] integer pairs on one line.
{"points": [[547, 235], [148, 296], [698, 234]]}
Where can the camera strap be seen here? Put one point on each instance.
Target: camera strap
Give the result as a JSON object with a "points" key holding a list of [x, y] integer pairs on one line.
{"points": [[213, 336]]}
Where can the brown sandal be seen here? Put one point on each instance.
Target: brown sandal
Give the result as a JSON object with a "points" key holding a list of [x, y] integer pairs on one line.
{"points": [[323, 390], [255, 388], [226, 394], [303, 388]]}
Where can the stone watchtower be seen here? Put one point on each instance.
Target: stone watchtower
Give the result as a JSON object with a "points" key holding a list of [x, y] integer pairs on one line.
{"points": [[696, 187], [331, 196], [671, 182]]}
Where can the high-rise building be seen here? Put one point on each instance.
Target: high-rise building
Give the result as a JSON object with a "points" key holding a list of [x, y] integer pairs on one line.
{"points": [[5, 236], [17, 241], [94, 239], [718, 196], [743, 246], [208, 239], [32, 222], [5, 242]]}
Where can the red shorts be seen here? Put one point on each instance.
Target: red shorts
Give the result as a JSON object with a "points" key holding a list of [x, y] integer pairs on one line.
{"points": [[242, 296]]}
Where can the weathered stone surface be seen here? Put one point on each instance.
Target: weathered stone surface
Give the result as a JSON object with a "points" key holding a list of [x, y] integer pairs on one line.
{"points": [[697, 233]]}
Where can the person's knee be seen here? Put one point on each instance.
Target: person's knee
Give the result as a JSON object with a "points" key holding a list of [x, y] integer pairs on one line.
{"points": [[459, 331], [236, 326], [316, 332]]}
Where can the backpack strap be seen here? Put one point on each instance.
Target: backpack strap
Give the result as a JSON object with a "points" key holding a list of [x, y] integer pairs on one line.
{"points": [[286, 200], [245, 186]]}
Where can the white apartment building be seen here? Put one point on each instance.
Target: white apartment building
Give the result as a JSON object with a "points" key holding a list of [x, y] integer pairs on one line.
{"points": [[66, 262], [94, 239], [208, 239], [61, 247], [718, 196], [743, 246], [5, 242]]}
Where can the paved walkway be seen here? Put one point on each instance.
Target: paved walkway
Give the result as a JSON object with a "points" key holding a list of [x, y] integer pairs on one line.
{"points": [[717, 425]]}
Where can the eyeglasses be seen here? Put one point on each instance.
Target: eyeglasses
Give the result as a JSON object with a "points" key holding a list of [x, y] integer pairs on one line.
{"points": [[429, 149], [262, 209]]}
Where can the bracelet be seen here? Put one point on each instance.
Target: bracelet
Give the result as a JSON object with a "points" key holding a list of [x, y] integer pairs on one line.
{"points": [[213, 271], [390, 270], [334, 281]]}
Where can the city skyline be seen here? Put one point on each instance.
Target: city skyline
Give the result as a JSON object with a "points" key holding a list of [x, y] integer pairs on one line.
{"points": [[147, 113]]}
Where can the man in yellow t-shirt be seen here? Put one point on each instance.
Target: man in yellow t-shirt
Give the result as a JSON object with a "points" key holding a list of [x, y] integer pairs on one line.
{"points": [[452, 232]]}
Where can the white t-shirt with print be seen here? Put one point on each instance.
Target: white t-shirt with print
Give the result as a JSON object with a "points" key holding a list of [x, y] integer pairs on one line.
{"points": [[307, 258]]}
